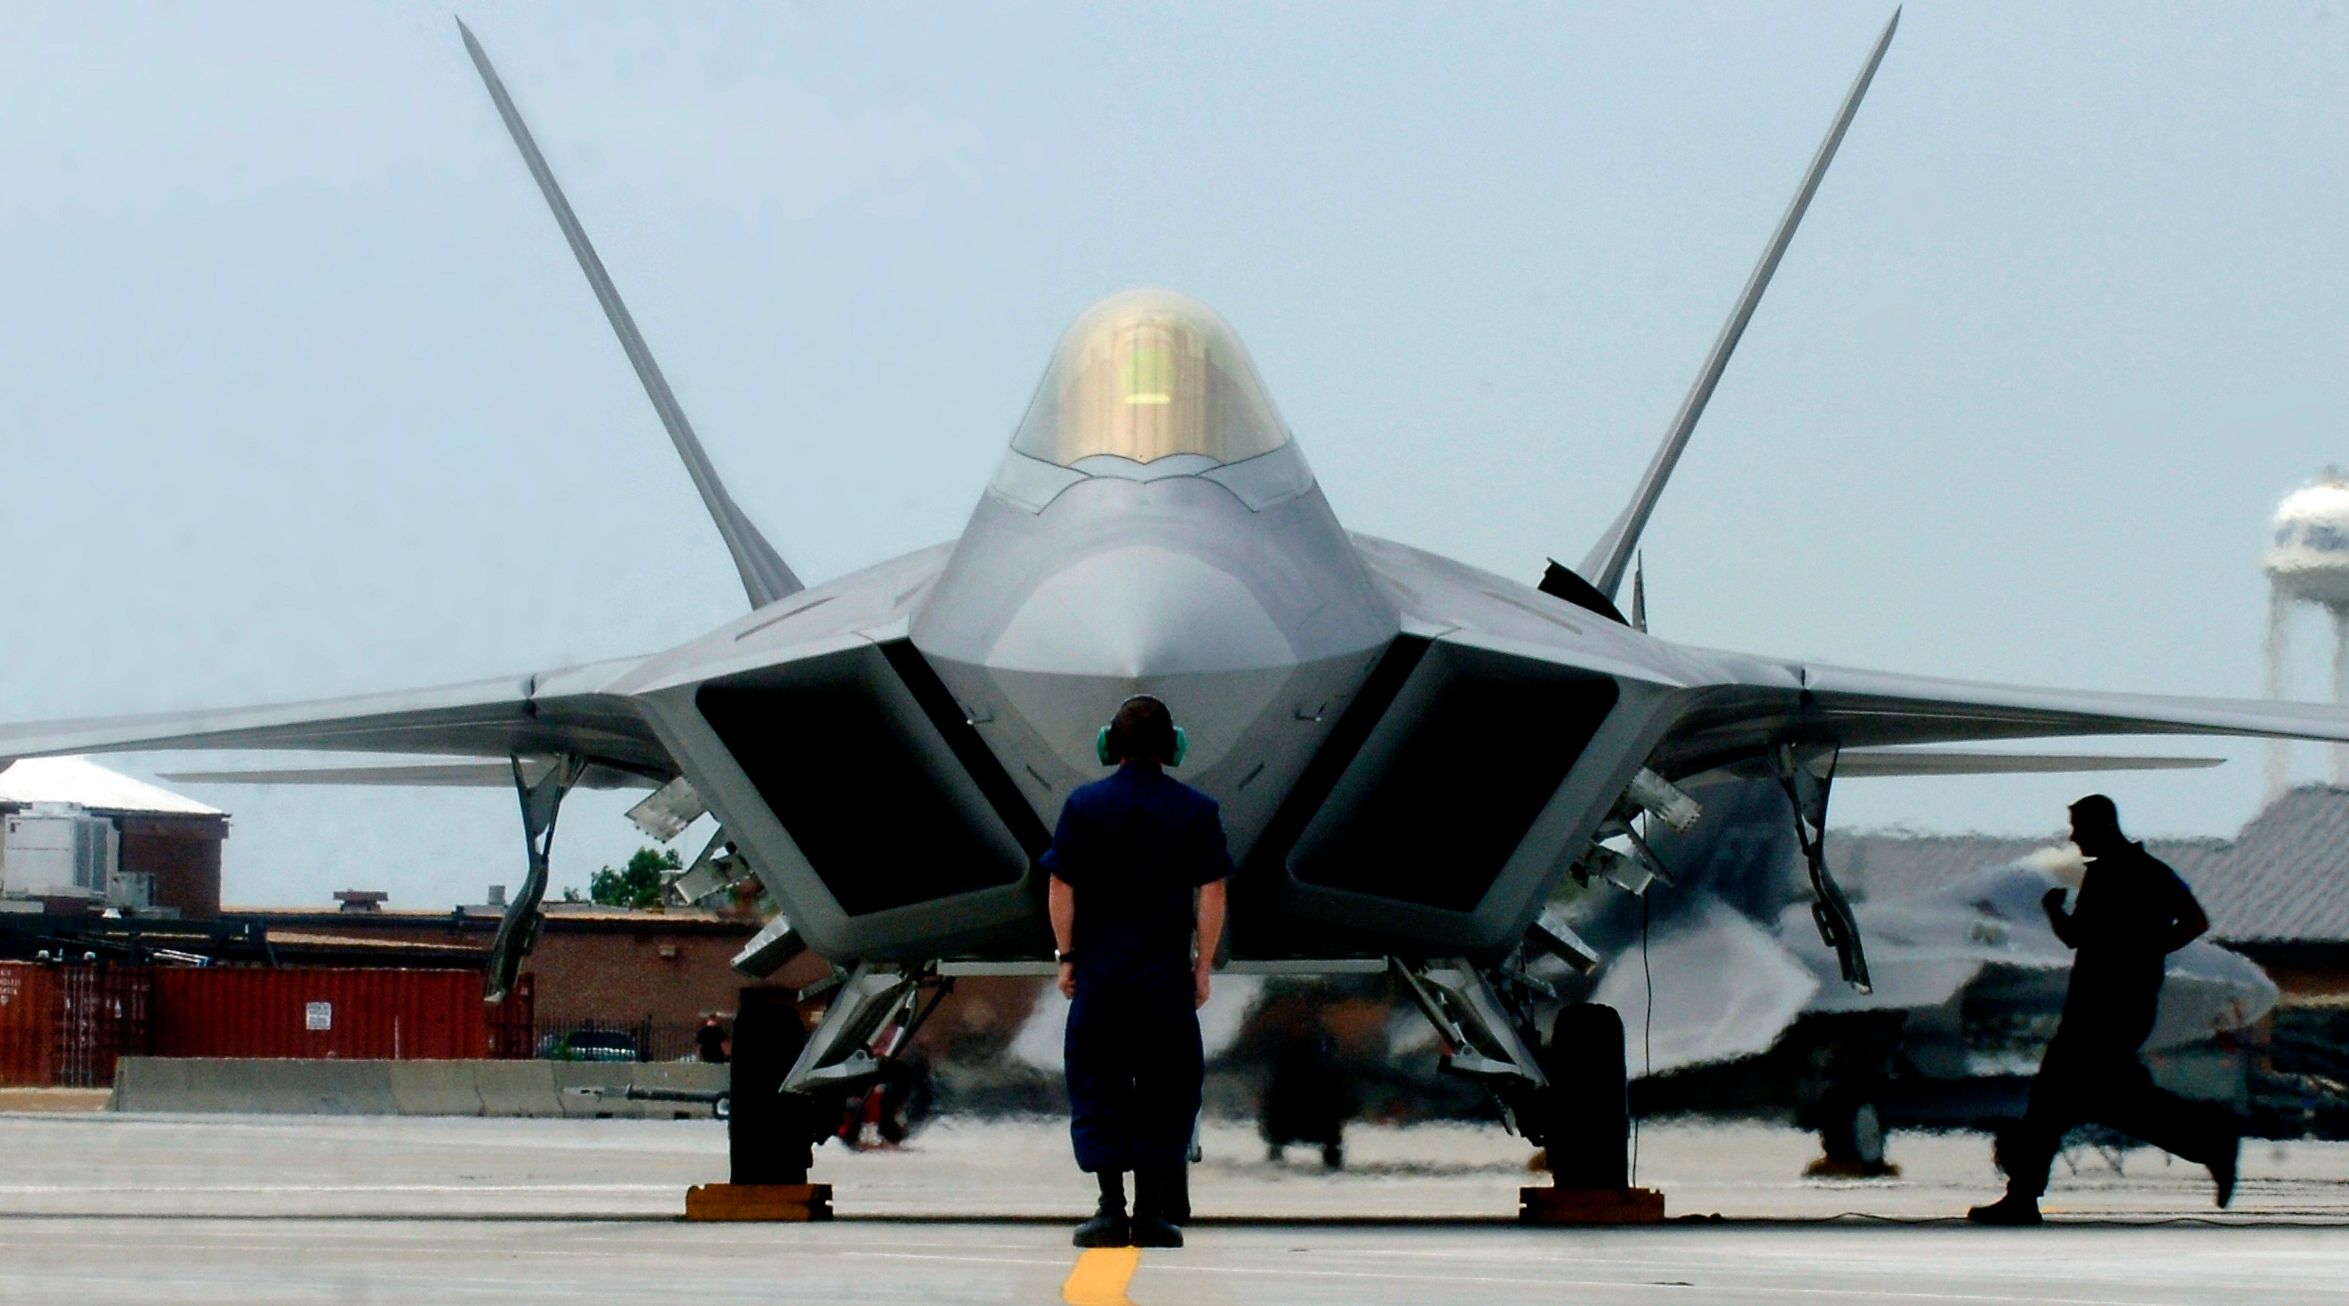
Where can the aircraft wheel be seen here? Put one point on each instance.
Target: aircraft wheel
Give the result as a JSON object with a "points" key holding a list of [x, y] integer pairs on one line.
{"points": [[1867, 1134], [768, 1131], [1854, 1137], [1585, 1114]]}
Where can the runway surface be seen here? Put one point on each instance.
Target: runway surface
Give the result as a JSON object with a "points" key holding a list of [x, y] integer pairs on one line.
{"points": [[100, 1208]]}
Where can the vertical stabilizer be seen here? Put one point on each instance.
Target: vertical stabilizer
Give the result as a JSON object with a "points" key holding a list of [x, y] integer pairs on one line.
{"points": [[1612, 554], [765, 577]]}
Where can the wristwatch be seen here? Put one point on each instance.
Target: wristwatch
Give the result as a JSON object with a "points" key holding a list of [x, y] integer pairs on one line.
{"points": [[1064, 958]]}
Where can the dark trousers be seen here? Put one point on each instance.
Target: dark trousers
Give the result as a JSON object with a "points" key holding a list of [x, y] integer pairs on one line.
{"points": [[2082, 1085], [1135, 1069]]}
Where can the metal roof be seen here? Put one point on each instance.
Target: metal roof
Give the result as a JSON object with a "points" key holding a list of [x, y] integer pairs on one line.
{"points": [[84, 783], [2286, 877]]}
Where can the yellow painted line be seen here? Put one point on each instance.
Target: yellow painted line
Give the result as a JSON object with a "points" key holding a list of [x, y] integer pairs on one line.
{"points": [[1101, 1276]]}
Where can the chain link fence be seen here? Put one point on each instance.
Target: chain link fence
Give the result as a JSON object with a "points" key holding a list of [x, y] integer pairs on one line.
{"points": [[605, 1039]]}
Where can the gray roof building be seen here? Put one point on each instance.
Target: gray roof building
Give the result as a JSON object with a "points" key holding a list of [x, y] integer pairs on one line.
{"points": [[2284, 880]]}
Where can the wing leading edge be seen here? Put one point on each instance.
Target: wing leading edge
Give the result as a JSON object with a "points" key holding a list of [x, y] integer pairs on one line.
{"points": [[567, 712], [418, 775], [1912, 762], [1856, 709]]}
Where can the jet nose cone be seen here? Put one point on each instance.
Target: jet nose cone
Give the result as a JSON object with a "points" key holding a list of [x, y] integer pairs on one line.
{"points": [[1139, 613], [1140, 619]]}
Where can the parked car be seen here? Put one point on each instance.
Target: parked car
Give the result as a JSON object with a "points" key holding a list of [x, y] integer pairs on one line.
{"points": [[589, 1045]]}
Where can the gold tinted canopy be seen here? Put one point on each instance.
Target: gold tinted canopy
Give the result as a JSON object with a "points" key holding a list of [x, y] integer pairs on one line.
{"points": [[1146, 375]]}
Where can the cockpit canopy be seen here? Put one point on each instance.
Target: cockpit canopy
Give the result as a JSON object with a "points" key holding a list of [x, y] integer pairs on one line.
{"points": [[1145, 375]]}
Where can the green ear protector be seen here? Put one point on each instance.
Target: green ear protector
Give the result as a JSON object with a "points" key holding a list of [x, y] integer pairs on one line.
{"points": [[1110, 756]]}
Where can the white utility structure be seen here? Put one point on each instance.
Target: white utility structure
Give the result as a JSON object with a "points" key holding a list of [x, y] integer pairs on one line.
{"points": [[2308, 563], [58, 850], [61, 831]]}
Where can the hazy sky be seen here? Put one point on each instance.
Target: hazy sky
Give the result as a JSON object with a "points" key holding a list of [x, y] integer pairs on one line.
{"points": [[301, 394]]}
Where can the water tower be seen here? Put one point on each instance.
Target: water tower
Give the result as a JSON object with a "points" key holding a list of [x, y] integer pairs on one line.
{"points": [[2309, 563]]}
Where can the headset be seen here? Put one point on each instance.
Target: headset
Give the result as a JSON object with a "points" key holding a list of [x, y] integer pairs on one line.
{"points": [[1110, 747]]}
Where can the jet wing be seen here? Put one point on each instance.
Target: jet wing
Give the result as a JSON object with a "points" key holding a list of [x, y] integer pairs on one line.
{"points": [[570, 711], [498, 774], [1913, 761], [1855, 709], [1733, 708]]}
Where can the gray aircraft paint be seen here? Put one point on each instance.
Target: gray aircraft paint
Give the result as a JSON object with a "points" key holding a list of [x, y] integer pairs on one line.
{"points": [[1229, 587]]}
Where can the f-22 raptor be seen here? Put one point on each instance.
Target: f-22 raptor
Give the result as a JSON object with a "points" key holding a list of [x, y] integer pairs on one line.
{"points": [[1411, 754]]}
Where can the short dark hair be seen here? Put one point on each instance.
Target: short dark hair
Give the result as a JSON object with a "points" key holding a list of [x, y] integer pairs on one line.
{"points": [[1142, 728], [2096, 812]]}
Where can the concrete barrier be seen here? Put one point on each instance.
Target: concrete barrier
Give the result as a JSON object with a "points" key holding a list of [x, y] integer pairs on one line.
{"points": [[321, 1088], [690, 1076], [517, 1088], [434, 1088], [416, 1088], [148, 1084], [219, 1084]]}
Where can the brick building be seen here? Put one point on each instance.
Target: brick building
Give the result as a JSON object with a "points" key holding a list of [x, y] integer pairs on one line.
{"points": [[162, 859], [124, 872], [654, 971]]}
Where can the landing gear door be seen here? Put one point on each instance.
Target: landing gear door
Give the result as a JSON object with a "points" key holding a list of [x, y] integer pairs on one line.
{"points": [[1806, 774]]}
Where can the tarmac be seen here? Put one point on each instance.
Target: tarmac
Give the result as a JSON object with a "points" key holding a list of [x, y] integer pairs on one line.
{"points": [[104, 1207]]}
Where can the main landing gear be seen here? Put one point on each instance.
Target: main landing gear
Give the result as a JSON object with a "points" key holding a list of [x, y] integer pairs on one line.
{"points": [[790, 1084], [1567, 1094]]}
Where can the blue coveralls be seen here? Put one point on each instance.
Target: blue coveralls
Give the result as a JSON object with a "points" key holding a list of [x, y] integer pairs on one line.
{"points": [[1133, 846]]}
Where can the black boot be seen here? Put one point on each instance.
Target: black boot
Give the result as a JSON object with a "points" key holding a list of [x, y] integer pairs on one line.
{"points": [[1108, 1227], [2013, 1209], [1162, 1202]]}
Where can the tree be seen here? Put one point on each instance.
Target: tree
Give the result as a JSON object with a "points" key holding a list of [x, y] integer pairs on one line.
{"points": [[638, 885]]}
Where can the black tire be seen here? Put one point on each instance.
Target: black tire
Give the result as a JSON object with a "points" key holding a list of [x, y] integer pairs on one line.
{"points": [[768, 1131], [1853, 1135], [1585, 1114]]}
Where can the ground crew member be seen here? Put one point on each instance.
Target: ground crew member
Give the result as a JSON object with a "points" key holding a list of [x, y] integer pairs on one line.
{"points": [[709, 1041], [2132, 912], [1125, 859]]}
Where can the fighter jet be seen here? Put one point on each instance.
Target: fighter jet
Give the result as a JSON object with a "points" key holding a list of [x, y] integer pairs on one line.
{"points": [[1411, 753], [1738, 1006]]}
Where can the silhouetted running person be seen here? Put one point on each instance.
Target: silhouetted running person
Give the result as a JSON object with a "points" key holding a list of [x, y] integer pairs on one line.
{"points": [[2132, 911]]}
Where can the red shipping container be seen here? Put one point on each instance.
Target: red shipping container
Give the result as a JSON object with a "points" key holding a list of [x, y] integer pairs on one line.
{"points": [[407, 1015], [512, 1021], [28, 1019], [101, 1017], [66, 1025]]}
